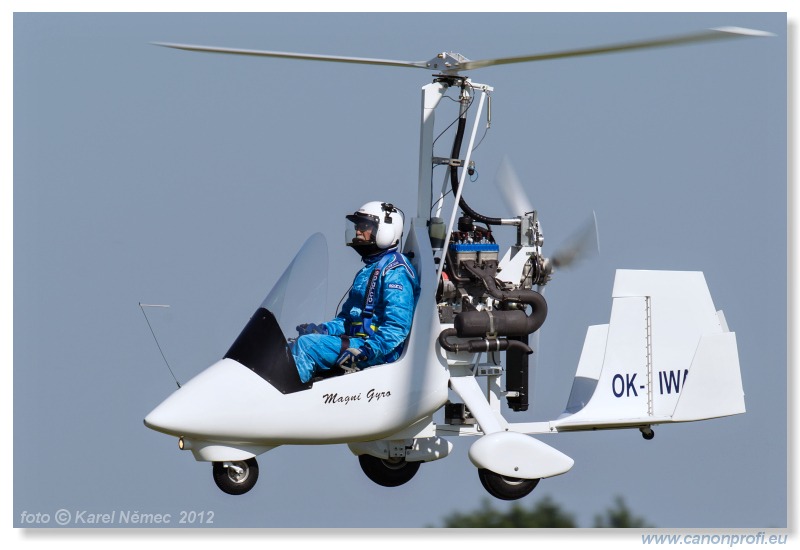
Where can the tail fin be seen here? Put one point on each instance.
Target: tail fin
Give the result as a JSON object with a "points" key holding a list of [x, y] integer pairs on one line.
{"points": [[665, 356]]}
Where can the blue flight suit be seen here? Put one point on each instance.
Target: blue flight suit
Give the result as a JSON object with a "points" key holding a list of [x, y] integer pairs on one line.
{"points": [[392, 308]]}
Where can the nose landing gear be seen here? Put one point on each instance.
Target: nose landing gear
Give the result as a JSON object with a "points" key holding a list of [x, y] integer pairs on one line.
{"points": [[236, 477]]}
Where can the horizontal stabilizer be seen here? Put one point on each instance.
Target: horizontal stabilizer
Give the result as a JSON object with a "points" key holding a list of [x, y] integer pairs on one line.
{"points": [[665, 356]]}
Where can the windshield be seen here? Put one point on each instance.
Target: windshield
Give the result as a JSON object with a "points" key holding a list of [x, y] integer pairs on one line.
{"points": [[299, 296]]}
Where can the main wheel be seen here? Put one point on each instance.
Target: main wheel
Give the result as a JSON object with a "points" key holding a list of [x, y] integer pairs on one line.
{"points": [[236, 477], [506, 488], [390, 472]]}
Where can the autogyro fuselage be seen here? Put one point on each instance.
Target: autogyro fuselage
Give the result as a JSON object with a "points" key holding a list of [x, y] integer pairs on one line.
{"points": [[474, 328]]}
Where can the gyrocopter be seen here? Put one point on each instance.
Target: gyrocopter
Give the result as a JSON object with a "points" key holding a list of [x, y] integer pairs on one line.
{"points": [[665, 356]]}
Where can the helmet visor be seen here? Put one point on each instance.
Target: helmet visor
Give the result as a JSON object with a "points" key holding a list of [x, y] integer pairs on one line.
{"points": [[360, 229]]}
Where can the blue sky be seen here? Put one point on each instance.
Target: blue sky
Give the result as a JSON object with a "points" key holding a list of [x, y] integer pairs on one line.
{"points": [[152, 175]]}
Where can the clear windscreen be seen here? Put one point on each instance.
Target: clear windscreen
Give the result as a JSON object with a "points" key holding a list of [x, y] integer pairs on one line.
{"points": [[300, 295]]}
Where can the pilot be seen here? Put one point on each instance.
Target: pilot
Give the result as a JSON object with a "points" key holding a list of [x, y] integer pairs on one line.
{"points": [[375, 320]]}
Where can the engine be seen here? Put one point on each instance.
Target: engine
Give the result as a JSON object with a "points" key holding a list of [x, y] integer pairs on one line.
{"points": [[487, 314]]}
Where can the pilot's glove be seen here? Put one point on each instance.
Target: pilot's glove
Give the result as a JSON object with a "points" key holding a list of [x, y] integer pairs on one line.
{"points": [[311, 328], [351, 358]]}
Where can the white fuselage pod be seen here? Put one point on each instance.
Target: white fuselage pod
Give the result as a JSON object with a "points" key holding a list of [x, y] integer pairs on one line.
{"points": [[229, 403]]}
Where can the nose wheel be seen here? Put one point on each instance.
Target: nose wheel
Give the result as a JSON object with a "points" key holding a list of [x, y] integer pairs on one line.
{"points": [[236, 477]]}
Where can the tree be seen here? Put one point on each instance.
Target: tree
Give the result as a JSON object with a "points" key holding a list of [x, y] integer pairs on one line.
{"points": [[619, 516], [546, 513]]}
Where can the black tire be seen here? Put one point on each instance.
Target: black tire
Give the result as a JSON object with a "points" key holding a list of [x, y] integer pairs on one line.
{"points": [[506, 488], [388, 472], [233, 483]]}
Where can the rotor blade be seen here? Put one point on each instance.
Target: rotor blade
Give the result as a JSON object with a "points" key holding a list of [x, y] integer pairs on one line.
{"points": [[719, 33], [511, 189], [311, 57], [584, 243]]}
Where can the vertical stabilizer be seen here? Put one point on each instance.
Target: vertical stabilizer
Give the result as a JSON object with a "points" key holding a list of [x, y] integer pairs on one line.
{"points": [[665, 356]]}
